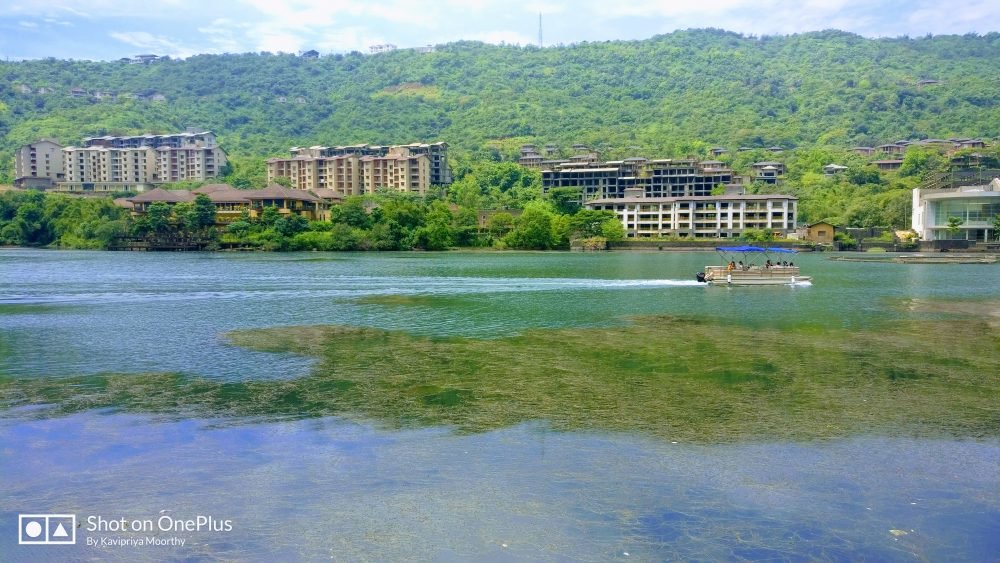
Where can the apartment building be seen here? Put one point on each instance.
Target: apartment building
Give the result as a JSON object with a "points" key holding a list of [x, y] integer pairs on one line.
{"points": [[38, 165], [362, 169], [399, 170], [701, 216], [137, 163], [107, 169], [656, 178], [437, 155]]}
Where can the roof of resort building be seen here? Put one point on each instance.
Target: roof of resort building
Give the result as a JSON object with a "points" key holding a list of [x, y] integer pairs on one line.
{"points": [[274, 191], [223, 193], [327, 193], [209, 188], [160, 194]]}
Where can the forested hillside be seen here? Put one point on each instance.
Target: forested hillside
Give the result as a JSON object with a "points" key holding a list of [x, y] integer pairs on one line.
{"points": [[669, 95]]}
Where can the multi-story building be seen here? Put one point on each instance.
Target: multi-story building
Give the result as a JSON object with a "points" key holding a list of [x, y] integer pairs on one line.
{"points": [[656, 178], [975, 207], [137, 163], [38, 165], [107, 169], [437, 155], [362, 169], [701, 216], [400, 170]]}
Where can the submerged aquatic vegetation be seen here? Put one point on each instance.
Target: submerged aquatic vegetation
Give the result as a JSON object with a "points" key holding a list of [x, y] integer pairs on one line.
{"points": [[675, 378]]}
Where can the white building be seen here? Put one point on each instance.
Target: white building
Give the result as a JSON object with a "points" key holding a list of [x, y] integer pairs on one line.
{"points": [[976, 206], [38, 165], [702, 216], [136, 163]]}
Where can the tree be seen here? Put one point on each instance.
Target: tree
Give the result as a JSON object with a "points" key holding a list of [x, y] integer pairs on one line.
{"points": [[437, 232], [499, 224], [588, 223], [291, 225], [239, 229], [954, 225], [613, 230], [996, 227], [756, 235], [158, 214], [565, 200], [269, 216], [351, 213], [532, 230], [202, 214]]}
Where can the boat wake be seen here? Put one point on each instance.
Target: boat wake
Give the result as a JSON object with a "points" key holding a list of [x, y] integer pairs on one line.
{"points": [[342, 287]]}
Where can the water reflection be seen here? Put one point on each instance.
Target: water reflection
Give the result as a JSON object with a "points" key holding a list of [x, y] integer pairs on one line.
{"points": [[501, 406], [328, 489]]}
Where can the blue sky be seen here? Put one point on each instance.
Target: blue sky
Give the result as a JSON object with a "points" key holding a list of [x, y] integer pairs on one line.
{"points": [[111, 29]]}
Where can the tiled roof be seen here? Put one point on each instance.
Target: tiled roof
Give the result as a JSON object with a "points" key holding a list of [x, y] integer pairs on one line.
{"points": [[274, 191], [160, 194]]}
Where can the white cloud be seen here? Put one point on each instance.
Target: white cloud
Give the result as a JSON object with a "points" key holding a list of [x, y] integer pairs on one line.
{"points": [[225, 36], [152, 43], [349, 39], [179, 28], [279, 42]]}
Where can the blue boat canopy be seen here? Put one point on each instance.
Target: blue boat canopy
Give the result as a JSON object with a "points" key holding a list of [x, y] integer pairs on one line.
{"points": [[753, 249]]}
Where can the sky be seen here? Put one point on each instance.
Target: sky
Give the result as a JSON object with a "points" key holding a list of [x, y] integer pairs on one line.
{"points": [[112, 29]]}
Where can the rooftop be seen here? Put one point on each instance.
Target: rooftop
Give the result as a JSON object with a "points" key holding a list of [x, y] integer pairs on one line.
{"points": [[754, 197]]}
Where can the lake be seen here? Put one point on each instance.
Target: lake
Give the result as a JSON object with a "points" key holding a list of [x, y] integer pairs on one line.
{"points": [[495, 406]]}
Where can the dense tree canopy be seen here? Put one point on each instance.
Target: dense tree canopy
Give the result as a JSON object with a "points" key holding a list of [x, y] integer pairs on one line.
{"points": [[673, 95], [670, 95]]}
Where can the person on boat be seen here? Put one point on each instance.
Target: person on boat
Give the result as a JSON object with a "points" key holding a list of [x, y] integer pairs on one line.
{"points": [[768, 264], [742, 267], [731, 266], [791, 263]]}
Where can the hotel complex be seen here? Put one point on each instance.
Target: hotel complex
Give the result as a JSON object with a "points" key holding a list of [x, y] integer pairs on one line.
{"points": [[113, 164], [671, 197], [655, 178], [363, 169], [686, 198], [700, 216]]}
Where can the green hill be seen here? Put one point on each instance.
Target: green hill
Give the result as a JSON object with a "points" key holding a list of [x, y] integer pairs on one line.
{"points": [[669, 94]]}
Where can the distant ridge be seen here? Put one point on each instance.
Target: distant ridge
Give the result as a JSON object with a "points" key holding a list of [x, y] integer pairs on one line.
{"points": [[672, 94]]}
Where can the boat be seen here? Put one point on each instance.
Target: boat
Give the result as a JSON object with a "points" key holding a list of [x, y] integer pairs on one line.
{"points": [[755, 268]]}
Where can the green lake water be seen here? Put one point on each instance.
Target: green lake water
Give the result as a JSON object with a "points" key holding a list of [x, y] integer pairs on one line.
{"points": [[499, 406]]}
